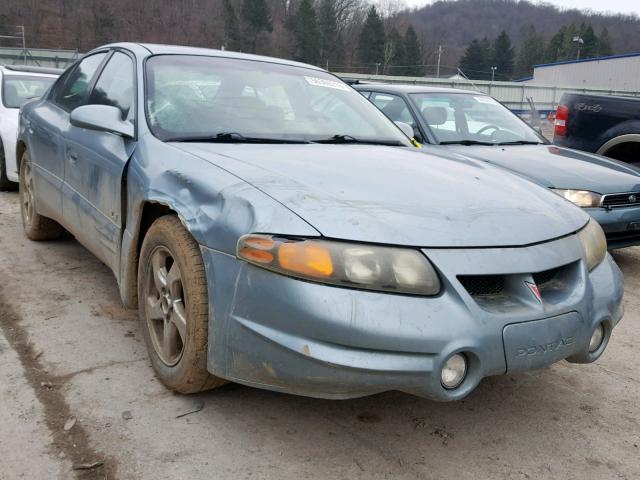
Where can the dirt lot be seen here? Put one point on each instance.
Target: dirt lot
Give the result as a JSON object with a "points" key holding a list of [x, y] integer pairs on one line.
{"points": [[69, 352]]}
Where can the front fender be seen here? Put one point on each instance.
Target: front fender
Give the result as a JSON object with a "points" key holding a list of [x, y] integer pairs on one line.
{"points": [[216, 207]]}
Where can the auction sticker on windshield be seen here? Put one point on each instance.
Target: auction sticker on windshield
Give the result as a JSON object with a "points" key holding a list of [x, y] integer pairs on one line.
{"points": [[323, 82]]}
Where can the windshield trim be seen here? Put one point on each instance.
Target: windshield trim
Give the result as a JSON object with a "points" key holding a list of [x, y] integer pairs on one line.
{"points": [[309, 68], [412, 97]]}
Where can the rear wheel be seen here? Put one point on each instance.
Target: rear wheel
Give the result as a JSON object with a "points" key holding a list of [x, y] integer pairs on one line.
{"points": [[36, 226], [5, 183], [174, 307]]}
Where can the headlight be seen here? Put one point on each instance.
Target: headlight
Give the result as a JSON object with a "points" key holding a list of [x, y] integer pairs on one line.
{"points": [[594, 243], [389, 269], [581, 198]]}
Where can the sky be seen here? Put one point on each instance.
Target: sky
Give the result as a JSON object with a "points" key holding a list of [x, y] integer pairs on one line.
{"points": [[615, 6]]}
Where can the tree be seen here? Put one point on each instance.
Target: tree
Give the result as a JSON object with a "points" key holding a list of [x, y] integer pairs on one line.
{"points": [[475, 61], [413, 53], [590, 45], [371, 41], [331, 46], [555, 48], [604, 43], [394, 53], [232, 39], [502, 55], [531, 53], [256, 21], [569, 49], [304, 28]]}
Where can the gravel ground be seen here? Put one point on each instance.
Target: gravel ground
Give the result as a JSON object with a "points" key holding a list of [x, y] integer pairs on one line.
{"points": [[77, 390]]}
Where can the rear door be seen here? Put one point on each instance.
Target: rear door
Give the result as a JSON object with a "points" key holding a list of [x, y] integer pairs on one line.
{"points": [[96, 161]]}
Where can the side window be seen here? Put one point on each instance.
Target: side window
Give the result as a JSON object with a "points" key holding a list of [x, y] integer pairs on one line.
{"points": [[394, 107], [115, 87], [73, 92]]}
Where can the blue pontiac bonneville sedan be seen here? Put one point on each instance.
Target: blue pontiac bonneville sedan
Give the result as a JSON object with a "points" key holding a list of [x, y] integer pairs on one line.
{"points": [[274, 228], [475, 125]]}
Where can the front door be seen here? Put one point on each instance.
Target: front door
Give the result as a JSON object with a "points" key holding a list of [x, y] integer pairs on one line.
{"points": [[95, 164]]}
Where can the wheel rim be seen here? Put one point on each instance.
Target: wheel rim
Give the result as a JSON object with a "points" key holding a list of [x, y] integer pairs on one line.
{"points": [[27, 194], [165, 306]]}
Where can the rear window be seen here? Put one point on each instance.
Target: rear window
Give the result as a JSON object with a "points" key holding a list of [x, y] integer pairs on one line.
{"points": [[18, 89]]}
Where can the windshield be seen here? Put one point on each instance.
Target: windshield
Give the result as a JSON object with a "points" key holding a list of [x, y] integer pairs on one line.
{"points": [[199, 97], [18, 89], [468, 118]]}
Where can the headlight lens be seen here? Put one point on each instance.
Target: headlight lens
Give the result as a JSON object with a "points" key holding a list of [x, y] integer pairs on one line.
{"points": [[581, 198], [370, 267], [594, 243]]}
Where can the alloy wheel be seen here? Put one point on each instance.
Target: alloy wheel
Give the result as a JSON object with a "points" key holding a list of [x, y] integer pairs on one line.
{"points": [[165, 307]]}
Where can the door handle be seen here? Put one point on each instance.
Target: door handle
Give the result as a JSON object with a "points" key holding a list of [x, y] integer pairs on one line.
{"points": [[73, 158]]}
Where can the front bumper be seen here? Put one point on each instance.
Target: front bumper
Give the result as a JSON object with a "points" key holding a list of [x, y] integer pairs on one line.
{"points": [[275, 332], [620, 225]]}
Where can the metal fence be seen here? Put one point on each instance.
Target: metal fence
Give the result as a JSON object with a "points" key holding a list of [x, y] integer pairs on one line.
{"points": [[39, 57], [513, 94]]}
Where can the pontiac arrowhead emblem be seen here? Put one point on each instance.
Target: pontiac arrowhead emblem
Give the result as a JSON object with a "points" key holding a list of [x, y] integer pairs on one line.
{"points": [[535, 290], [633, 198]]}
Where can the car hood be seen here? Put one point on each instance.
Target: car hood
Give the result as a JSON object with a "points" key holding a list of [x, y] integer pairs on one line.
{"points": [[556, 167], [399, 196]]}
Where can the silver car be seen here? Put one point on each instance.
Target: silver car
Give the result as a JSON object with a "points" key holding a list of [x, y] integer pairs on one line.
{"points": [[275, 229]]}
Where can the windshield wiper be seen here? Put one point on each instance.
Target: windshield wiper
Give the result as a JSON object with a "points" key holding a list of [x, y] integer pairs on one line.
{"points": [[230, 137], [520, 142], [466, 142], [348, 139]]}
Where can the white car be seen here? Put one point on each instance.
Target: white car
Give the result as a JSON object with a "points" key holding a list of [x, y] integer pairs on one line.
{"points": [[18, 84]]}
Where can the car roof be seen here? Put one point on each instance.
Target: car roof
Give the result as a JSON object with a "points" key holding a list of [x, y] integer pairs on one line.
{"points": [[159, 49], [398, 88], [30, 70]]}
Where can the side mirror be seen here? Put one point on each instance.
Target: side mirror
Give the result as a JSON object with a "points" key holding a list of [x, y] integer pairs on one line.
{"points": [[406, 128], [103, 118]]}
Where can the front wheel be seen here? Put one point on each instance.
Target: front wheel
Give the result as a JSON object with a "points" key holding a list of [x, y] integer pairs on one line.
{"points": [[174, 307], [36, 227]]}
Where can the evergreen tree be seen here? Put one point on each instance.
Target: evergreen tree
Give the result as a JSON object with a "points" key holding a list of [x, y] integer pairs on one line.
{"points": [[590, 45], [331, 46], [256, 21], [604, 43], [413, 53], [502, 56], [474, 62], [531, 53], [569, 50], [555, 48], [232, 39], [304, 27], [371, 41]]}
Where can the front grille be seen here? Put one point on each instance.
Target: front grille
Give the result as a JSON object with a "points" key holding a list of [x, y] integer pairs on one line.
{"points": [[482, 285], [542, 278], [621, 200]]}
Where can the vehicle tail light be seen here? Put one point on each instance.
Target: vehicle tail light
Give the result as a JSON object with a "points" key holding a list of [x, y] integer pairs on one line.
{"points": [[562, 117]]}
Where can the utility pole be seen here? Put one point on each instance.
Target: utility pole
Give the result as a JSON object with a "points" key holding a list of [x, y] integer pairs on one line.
{"points": [[580, 42], [439, 56], [493, 73], [378, 67]]}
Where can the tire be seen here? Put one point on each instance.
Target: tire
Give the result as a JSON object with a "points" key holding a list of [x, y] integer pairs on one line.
{"points": [[174, 307], [5, 183], [37, 227]]}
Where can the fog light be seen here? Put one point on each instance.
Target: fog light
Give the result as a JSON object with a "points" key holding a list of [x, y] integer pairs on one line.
{"points": [[596, 339], [454, 371]]}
